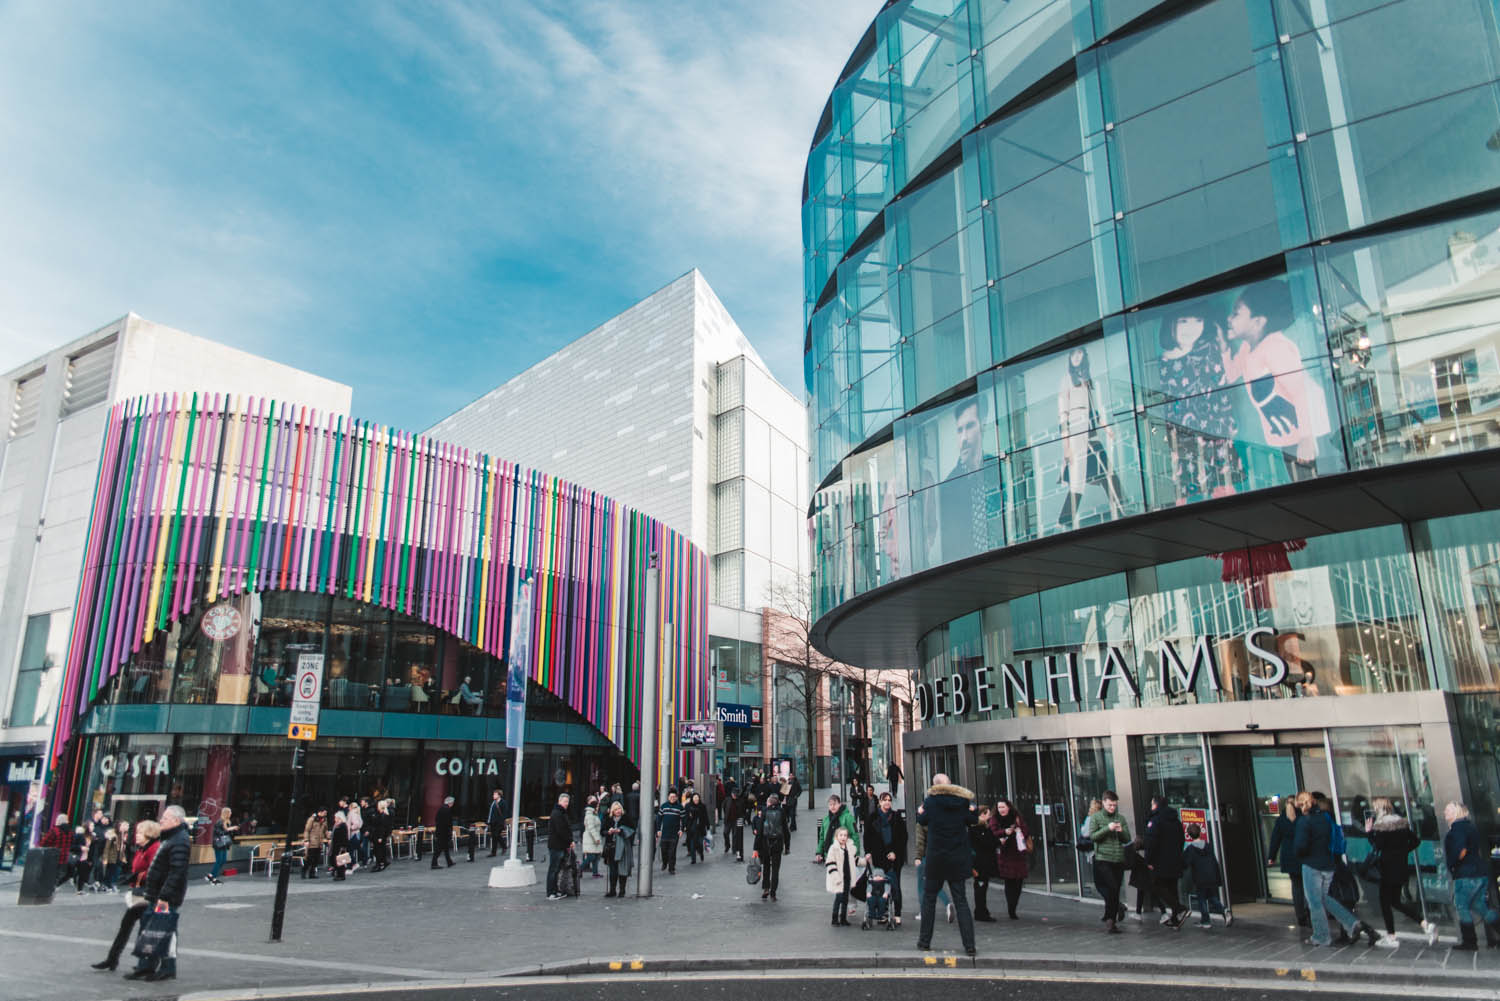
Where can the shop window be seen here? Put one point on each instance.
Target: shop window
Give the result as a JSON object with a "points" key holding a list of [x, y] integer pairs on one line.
{"points": [[1459, 562], [215, 649], [358, 635], [291, 623], [43, 651]]}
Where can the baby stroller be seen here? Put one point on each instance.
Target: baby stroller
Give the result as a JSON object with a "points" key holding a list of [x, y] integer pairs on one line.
{"points": [[877, 900]]}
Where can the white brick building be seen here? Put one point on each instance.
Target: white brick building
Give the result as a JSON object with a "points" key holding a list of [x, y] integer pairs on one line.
{"points": [[49, 458]]}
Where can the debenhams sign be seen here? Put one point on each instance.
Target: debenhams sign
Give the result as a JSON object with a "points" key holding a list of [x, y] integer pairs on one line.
{"points": [[963, 692]]}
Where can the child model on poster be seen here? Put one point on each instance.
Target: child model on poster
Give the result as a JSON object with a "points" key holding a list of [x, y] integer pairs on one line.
{"points": [[1085, 458], [1293, 410], [1200, 422]]}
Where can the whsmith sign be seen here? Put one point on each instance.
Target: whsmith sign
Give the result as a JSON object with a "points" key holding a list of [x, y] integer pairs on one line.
{"points": [[975, 691]]}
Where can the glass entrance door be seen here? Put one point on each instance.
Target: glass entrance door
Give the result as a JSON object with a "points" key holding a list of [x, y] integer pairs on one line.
{"points": [[1274, 782], [1030, 802], [1054, 830]]}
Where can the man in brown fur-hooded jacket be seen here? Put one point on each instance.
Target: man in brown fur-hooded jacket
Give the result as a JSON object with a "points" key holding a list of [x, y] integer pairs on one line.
{"points": [[947, 813]]}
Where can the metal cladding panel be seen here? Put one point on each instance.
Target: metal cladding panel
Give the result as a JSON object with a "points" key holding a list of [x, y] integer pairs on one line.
{"points": [[204, 497]]}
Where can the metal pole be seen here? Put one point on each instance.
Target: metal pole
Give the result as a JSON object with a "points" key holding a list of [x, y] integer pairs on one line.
{"points": [[650, 724], [515, 810], [283, 879], [843, 758]]}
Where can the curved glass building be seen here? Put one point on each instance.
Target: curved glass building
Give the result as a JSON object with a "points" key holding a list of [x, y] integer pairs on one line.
{"points": [[1154, 360], [229, 536]]}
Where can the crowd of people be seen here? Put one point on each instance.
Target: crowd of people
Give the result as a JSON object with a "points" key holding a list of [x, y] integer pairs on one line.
{"points": [[863, 846]]}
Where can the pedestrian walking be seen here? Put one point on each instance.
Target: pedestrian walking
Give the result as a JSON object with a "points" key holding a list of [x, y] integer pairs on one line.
{"points": [[166, 883], [1283, 855], [1110, 832], [695, 825], [947, 813], [771, 837], [619, 854], [559, 843], [338, 847], [1468, 863], [114, 850], [223, 834], [893, 779], [442, 833], [1206, 876], [1391, 843], [60, 836], [379, 833], [146, 833], [838, 816], [668, 830], [843, 863], [793, 796], [885, 844], [1163, 840], [1138, 877], [497, 818], [314, 835], [734, 825], [1312, 841], [358, 847], [1013, 861], [986, 848], [593, 838]]}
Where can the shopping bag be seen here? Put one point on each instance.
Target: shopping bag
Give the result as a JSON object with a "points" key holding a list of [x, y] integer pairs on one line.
{"points": [[752, 871], [861, 887], [154, 940], [1344, 888]]}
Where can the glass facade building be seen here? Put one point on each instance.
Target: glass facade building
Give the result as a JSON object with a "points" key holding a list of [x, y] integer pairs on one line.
{"points": [[1153, 351]]}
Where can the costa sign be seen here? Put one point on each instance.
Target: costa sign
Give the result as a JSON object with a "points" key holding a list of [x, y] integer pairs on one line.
{"points": [[134, 765], [1057, 677], [467, 766]]}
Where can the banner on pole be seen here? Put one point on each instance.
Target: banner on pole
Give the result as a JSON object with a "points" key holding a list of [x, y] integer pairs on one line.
{"points": [[519, 668]]}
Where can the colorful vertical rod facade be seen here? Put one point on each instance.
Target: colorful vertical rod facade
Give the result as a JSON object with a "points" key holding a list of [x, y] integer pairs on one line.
{"points": [[204, 497]]}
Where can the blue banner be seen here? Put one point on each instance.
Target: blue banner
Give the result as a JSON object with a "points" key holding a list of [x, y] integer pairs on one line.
{"points": [[519, 668]]}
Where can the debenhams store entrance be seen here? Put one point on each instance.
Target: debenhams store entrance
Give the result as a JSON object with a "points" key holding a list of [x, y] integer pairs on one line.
{"points": [[1362, 665]]}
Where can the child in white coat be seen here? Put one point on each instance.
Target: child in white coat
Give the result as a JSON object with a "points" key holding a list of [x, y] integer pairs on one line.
{"points": [[843, 864]]}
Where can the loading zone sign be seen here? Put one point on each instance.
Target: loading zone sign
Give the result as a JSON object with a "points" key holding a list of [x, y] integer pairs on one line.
{"points": [[307, 696]]}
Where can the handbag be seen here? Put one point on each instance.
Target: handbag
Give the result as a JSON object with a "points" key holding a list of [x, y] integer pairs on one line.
{"points": [[154, 940], [861, 888], [1368, 868], [752, 871], [1344, 887], [1084, 845], [342, 858]]}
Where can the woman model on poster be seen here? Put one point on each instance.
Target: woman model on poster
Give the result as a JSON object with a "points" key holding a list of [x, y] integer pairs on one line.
{"points": [[1085, 458], [1200, 421]]}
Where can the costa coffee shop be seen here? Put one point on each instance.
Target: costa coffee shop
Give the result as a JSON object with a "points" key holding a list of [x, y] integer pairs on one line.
{"points": [[397, 560]]}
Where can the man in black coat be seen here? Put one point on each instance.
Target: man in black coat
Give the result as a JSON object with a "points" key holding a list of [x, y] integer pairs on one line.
{"points": [[442, 833], [498, 816], [559, 843], [166, 882], [947, 813], [1164, 842], [771, 837]]}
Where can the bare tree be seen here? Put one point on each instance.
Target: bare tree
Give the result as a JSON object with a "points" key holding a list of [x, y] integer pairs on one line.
{"points": [[789, 642]]}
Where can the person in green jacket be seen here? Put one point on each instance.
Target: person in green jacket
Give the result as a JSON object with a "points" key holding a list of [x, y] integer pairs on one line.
{"points": [[839, 815], [1110, 832]]}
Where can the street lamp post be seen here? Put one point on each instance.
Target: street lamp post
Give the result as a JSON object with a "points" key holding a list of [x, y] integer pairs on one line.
{"points": [[650, 725]]}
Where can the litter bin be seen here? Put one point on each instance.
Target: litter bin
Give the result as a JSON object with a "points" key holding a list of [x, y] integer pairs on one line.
{"points": [[39, 878]]}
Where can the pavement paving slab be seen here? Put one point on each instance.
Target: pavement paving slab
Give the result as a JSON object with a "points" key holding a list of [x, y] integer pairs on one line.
{"points": [[414, 924]]}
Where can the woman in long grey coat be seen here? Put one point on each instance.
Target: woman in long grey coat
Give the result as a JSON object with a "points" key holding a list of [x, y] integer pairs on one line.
{"points": [[619, 840]]}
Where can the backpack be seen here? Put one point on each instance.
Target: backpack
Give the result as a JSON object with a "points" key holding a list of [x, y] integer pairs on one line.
{"points": [[771, 826], [1337, 844]]}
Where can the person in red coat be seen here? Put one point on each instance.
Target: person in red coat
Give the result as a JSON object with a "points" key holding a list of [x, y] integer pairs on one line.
{"points": [[146, 834], [1013, 857]]}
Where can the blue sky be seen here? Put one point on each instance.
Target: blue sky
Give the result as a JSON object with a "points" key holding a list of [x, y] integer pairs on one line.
{"points": [[417, 199]]}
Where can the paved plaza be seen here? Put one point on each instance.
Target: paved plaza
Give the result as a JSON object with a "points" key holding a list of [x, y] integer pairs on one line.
{"points": [[411, 924]]}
